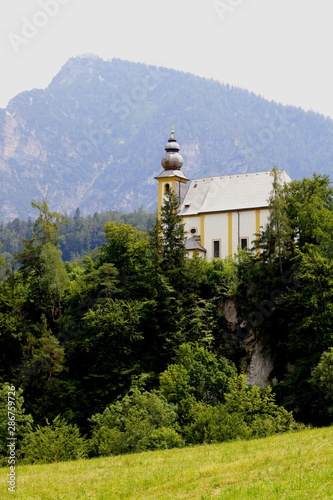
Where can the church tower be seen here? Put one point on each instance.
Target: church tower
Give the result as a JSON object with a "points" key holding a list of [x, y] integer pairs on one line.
{"points": [[171, 177]]}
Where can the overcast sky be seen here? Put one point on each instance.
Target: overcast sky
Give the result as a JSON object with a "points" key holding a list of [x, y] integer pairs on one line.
{"points": [[280, 49]]}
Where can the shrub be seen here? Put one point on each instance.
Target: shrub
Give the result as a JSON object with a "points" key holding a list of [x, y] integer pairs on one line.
{"points": [[55, 442], [213, 424], [322, 381], [131, 425], [258, 408], [198, 375], [163, 438]]}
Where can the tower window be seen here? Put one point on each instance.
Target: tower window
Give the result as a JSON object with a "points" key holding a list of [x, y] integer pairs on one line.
{"points": [[193, 230], [216, 249], [244, 243], [166, 188]]}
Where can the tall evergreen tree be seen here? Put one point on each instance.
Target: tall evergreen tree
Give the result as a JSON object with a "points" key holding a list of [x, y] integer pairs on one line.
{"points": [[276, 239], [168, 238]]}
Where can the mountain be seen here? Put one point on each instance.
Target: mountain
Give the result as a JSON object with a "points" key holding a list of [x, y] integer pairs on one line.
{"points": [[94, 137]]}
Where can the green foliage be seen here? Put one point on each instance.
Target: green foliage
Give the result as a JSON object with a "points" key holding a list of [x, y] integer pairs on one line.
{"points": [[198, 375], [311, 302], [175, 383], [214, 424], [257, 408], [322, 374], [43, 357], [41, 263], [197, 372], [126, 246], [45, 231], [104, 354], [310, 210], [198, 324], [139, 421], [127, 250], [322, 381], [53, 279], [288, 289], [168, 241], [248, 412], [162, 438], [277, 237], [55, 442], [222, 277]]}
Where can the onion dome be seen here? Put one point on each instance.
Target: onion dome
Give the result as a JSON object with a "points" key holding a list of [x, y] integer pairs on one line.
{"points": [[172, 160]]}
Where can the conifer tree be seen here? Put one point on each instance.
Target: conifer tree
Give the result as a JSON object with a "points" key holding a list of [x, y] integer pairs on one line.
{"points": [[170, 252], [276, 239]]}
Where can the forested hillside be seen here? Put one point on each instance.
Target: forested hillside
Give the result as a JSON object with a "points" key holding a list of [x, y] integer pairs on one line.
{"points": [[130, 349], [94, 137], [78, 235]]}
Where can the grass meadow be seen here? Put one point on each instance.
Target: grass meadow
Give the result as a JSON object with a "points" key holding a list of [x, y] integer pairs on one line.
{"points": [[294, 466]]}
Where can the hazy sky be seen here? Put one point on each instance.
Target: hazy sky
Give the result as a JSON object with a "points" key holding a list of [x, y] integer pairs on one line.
{"points": [[280, 49]]}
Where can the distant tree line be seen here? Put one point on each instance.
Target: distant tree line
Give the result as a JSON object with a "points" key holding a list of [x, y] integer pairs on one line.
{"points": [[79, 234]]}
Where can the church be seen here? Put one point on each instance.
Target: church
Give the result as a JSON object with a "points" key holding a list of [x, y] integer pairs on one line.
{"points": [[220, 214]]}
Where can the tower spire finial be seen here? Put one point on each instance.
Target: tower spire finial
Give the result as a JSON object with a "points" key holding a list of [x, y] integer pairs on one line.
{"points": [[172, 132], [172, 160]]}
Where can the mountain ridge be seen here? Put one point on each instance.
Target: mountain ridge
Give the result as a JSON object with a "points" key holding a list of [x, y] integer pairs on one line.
{"points": [[94, 137]]}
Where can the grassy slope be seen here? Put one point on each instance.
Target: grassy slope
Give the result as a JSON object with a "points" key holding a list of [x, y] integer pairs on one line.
{"points": [[289, 466]]}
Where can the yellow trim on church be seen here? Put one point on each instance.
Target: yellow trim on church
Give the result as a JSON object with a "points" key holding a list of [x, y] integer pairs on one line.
{"points": [[162, 182], [202, 230], [257, 223], [160, 198], [229, 233]]}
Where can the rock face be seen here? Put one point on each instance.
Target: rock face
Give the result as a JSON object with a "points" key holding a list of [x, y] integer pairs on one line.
{"points": [[257, 362], [260, 367], [94, 138]]}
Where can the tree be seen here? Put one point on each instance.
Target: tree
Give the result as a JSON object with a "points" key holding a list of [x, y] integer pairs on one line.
{"points": [[322, 381], [42, 265], [43, 363], [275, 240], [105, 354], [168, 241], [45, 230], [53, 279], [43, 359], [309, 206], [127, 250]]}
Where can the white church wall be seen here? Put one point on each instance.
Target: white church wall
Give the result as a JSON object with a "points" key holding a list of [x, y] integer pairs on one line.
{"points": [[216, 230], [191, 223]]}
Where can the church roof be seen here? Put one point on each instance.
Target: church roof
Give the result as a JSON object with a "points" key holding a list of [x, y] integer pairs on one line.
{"points": [[229, 193], [193, 243], [172, 173]]}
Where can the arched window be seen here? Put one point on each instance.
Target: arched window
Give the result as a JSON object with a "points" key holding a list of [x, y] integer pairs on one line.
{"points": [[166, 188]]}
